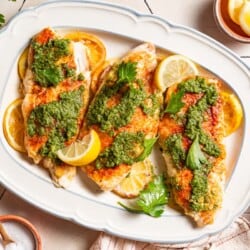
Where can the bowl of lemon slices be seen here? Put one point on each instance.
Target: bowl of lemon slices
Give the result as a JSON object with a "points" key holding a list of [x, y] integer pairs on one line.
{"points": [[233, 18]]}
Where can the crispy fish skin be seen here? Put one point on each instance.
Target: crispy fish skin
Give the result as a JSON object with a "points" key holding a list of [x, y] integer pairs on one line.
{"points": [[107, 178], [182, 177], [37, 95]]}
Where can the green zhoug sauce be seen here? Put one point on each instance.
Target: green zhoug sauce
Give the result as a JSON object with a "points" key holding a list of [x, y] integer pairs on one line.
{"points": [[126, 148], [121, 82], [174, 146], [193, 128], [58, 120], [128, 93], [46, 71]]}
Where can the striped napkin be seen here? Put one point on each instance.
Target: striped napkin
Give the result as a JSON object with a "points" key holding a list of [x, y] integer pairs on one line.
{"points": [[235, 237]]}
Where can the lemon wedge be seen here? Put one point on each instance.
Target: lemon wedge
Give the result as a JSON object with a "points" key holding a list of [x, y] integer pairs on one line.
{"points": [[82, 152], [234, 8], [173, 69], [13, 125], [244, 17], [233, 113], [140, 175]]}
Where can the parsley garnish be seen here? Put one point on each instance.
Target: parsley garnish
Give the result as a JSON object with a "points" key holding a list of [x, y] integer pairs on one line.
{"points": [[2, 20], [148, 146], [175, 103], [151, 200], [195, 157], [126, 72]]}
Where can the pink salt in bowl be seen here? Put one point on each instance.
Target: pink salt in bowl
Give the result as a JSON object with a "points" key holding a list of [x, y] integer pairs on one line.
{"points": [[23, 234]]}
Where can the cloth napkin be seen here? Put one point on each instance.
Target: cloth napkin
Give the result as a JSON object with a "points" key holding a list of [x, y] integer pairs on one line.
{"points": [[235, 237]]}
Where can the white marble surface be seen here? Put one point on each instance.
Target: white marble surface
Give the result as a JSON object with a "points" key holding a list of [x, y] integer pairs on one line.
{"points": [[56, 233]]}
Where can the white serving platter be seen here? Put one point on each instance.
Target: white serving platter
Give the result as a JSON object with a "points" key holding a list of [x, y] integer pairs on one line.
{"points": [[121, 29]]}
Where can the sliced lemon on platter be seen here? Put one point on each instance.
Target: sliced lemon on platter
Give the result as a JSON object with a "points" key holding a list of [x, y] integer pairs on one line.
{"points": [[81, 152], [173, 69], [233, 113], [13, 125], [244, 17], [97, 50], [234, 8], [141, 174], [22, 63]]}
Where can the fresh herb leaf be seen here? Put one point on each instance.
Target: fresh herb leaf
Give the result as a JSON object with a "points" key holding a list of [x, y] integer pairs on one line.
{"points": [[195, 157], [126, 72], [151, 200], [148, 146], [2, 20], [175, 103]]}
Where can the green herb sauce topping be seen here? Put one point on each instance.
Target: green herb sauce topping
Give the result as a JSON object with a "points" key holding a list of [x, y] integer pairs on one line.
{"points": [[194, 159], [127, 148], [58, 120], [174, 146], [121, 81], [46, 71]]}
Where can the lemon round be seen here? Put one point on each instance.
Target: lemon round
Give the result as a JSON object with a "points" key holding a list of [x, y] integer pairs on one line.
{"points": [[234, 8], [22, 63], [82, 152], [97, 49], [244, 18], [13, 125], [140, 175], [233, 113], [173, 69]]}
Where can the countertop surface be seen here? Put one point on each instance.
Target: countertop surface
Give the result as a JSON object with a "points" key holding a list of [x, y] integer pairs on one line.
{"points": [[56, 233]]}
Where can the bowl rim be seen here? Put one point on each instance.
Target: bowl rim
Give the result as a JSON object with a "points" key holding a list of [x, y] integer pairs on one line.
{"points": [[224, 27], [30, 227]]}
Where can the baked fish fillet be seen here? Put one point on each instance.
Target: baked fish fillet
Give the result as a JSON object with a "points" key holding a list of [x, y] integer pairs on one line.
{"points": [[125, 114], [56, 89], [190, 135]]}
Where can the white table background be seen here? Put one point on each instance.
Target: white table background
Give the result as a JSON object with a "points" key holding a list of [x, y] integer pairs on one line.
{"points": [[58, 234]]}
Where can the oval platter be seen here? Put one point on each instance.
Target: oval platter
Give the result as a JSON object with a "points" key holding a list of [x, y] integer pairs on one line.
{"points": [[83, 203]]}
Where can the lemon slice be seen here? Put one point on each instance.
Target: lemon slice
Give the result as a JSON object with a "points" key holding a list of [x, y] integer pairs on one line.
{"points": [[140, 175], [244, 18], [22, 63], [13, 125], [82, 152], [173, 69], [234, 8], [97, 50], [233, 113]]}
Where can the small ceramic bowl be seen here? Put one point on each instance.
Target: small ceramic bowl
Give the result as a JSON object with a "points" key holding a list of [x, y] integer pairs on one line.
{"points": [[225, 23], [26, 224]]}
